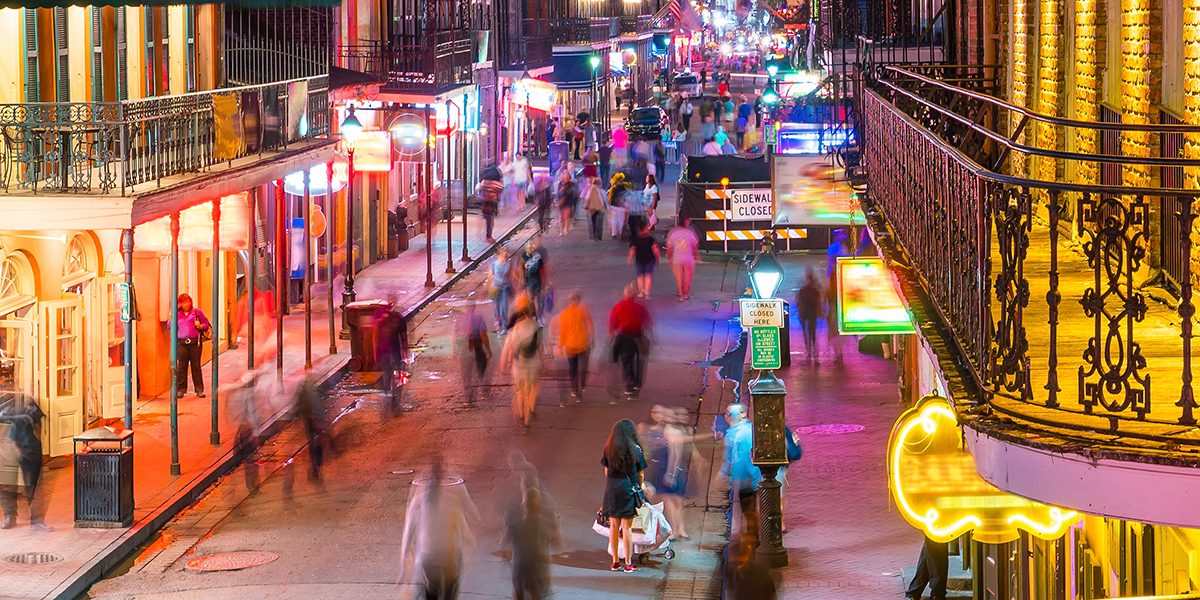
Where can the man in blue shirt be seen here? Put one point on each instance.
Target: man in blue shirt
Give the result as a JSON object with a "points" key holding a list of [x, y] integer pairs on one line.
{"points": [[740, 468]]}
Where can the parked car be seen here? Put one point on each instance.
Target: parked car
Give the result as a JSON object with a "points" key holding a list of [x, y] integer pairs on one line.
{"points": [[686, 83], [645, 123]]}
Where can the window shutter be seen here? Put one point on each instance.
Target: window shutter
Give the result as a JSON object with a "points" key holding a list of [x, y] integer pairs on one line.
{"points": [[63, 65], [122, 59], [190, 17], [165, 85], [97, 56], [31, 55], [149, 16]]}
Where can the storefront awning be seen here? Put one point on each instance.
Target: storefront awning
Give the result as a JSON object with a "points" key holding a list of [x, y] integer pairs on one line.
{"points": [[573, 68]]}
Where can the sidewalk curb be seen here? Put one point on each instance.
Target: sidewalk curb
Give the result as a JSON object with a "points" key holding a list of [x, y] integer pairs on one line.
{"points": [[144, 528], [147, 526]]}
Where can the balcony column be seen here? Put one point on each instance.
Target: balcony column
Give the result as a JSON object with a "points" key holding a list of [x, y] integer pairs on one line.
{"points": [[428, 175], [214, 435], [306, 221], [127, 256], [174, 342], [252, 279], [281, 291], [329, 231]]}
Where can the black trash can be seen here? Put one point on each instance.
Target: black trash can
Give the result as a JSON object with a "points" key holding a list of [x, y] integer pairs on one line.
{"points": [[363, 318], [104, 478]]}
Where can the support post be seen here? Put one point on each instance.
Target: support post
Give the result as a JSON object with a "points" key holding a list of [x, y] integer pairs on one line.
{"points": [[214, 435], [281, 282], [252, 283], [767, 395], [463, 170], [306, 221], [429, 127], [348, 283], [450, 270], [127, 256], [174, 344], [329, 230]]}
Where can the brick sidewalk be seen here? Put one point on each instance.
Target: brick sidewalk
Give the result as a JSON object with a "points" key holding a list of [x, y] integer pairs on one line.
{"points": [[84, 554]]}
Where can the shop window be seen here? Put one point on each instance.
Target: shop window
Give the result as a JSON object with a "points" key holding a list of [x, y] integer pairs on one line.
{"points": [[77, 268], [16, 287]]}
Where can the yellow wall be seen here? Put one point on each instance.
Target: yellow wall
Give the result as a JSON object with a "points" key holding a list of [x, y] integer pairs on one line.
{"points": [[79, 52], [177, 45], [206, 47], [11, 52]]}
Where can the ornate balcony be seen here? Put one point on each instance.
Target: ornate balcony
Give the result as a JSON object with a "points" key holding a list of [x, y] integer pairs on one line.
{"points": [[425, 64], [1043, 298], [132, 146]]}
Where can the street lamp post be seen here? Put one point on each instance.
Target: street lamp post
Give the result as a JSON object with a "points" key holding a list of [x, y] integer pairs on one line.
{"points": [[450, 270], [351, 128], [768, 394], [595, 62], [462, 133]]}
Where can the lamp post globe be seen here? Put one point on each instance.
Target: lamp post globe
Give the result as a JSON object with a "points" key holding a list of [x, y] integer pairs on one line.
{"points": [[766, 274], [351, 129]]}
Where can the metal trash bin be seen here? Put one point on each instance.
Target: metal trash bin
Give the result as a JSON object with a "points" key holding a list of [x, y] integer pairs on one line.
{"points": [[362, 316], [104, 478]]}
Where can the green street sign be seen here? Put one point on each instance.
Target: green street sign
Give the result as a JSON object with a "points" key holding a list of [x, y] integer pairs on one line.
{"points": [[123, 301], [764, 348]]}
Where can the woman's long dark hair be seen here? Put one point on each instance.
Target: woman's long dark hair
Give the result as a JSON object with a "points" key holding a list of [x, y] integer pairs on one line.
{"points": [[621, 448]]}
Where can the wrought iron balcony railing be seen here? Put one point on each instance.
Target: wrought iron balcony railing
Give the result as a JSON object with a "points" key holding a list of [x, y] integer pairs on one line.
{"points": [[1044, 285], [105, 146], [426, 63]]}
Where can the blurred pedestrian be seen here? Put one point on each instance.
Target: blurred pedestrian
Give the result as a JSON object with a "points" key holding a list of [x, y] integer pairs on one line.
{"points": [[685, 113], [241, 408], [489, 190], [683, 251], [604, 157], [310, 408], [831, 320], [574, 340], [475, 352], [933, 564], [437, 533], [620, 144], [624, 470], [522, 174], [743, 474], [650, 199], [194, 329], [500, 287], [617, 193], [747, 577], [660, 161], [711, 148], [808, 309], [596, 206], [522, 354], [393, 351], [21, 453], [543, 195], [568, 198], [534, 274], [644, 253], [629, 327], [530, 532]]}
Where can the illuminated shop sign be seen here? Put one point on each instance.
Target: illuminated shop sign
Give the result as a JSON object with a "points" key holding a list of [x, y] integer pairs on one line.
{"points": [[937, 489], [534, 93], [318, 177], [807, 193], [372, 152], [868, 302]]}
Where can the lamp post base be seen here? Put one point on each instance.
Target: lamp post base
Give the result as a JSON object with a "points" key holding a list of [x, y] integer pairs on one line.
{"points": [[770, 520], [214, 438]]}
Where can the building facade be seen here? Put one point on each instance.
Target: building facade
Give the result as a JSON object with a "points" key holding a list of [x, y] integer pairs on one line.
{"points": [[1031, 174]]}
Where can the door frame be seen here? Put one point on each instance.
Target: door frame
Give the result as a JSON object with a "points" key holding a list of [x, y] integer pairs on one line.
{"points": [[65, 413]]}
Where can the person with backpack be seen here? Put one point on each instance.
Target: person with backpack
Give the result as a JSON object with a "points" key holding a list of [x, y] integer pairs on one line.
{"points": [[522, 354], [489, 189]]}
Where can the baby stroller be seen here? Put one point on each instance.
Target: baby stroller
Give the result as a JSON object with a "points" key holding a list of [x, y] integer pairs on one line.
{"points": [[651, 532]]}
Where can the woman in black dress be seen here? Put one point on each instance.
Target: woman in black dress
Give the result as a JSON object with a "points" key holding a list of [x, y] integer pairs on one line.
{"points": [[624, 467]]}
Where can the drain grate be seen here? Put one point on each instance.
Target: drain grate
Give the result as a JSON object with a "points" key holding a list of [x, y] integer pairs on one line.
{"points": [[231, 561], [32, 558]]}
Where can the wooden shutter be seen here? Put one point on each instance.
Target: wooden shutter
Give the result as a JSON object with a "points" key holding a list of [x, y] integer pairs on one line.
{"points": [[190, 44], [164, 84], [122, 59], [149, 16], [32, 93], [62, 66], [97, 55]]}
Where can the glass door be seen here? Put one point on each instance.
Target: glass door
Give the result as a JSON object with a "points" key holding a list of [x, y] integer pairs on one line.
{"points": [[62, 323], [18, 356], [110, 361]]}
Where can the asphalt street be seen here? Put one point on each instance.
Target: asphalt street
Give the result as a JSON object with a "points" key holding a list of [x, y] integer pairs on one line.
{"points": [[341, 537]]}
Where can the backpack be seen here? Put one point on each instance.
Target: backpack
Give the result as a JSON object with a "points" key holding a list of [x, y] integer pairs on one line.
{"points": [[530, 349], [794, 450]]}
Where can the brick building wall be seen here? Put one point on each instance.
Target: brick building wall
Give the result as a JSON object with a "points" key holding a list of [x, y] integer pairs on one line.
{"points": [[1090, 51], [1022, 75], [1141, 83], [1050, 83]]}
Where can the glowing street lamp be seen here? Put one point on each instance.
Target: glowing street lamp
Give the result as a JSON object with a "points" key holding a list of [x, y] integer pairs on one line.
{"points": [[351, 130], [772, 70], [770, 97], [766, 274]]}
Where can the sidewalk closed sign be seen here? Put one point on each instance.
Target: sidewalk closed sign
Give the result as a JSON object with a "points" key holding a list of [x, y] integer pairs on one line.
{"points": [[761, 313], [750, 205], [764, 348]]}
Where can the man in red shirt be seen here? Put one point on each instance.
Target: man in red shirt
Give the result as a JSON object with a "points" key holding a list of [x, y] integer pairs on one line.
{"points": [[629, 327]]}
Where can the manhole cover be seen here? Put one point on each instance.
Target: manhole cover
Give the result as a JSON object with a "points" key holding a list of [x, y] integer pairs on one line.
{"points": [[231, 561], [32, 558], [831, 429], [445, 481]]}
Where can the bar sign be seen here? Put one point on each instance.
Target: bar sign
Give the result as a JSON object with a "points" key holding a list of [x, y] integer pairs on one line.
{"points": [[764, 348], [123, 301]]}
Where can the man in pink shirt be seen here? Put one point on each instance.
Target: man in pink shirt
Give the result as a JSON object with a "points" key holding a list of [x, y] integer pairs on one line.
{"points": [[193, 326], [620, 140]]}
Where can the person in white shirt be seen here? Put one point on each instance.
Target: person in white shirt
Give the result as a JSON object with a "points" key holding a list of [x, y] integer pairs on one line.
{"points": [[521, 172], [711, 148]]}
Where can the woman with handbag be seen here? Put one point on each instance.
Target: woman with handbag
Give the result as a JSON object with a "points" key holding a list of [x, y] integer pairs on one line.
{"points": [[624, 469], [194, 330]]}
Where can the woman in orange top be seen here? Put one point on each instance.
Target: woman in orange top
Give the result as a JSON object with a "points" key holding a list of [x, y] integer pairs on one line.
{"points": [[575, 335]]}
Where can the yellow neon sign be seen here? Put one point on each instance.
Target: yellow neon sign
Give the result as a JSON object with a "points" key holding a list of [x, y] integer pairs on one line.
{"points": [[934, 483]]}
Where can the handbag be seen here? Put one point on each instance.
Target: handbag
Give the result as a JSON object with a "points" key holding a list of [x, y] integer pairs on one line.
{"points": [[601, 518], [639, 497]]}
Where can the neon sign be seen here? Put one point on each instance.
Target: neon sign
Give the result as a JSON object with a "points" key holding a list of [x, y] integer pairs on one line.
{"points": [[868, 302], [937, 489]]}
